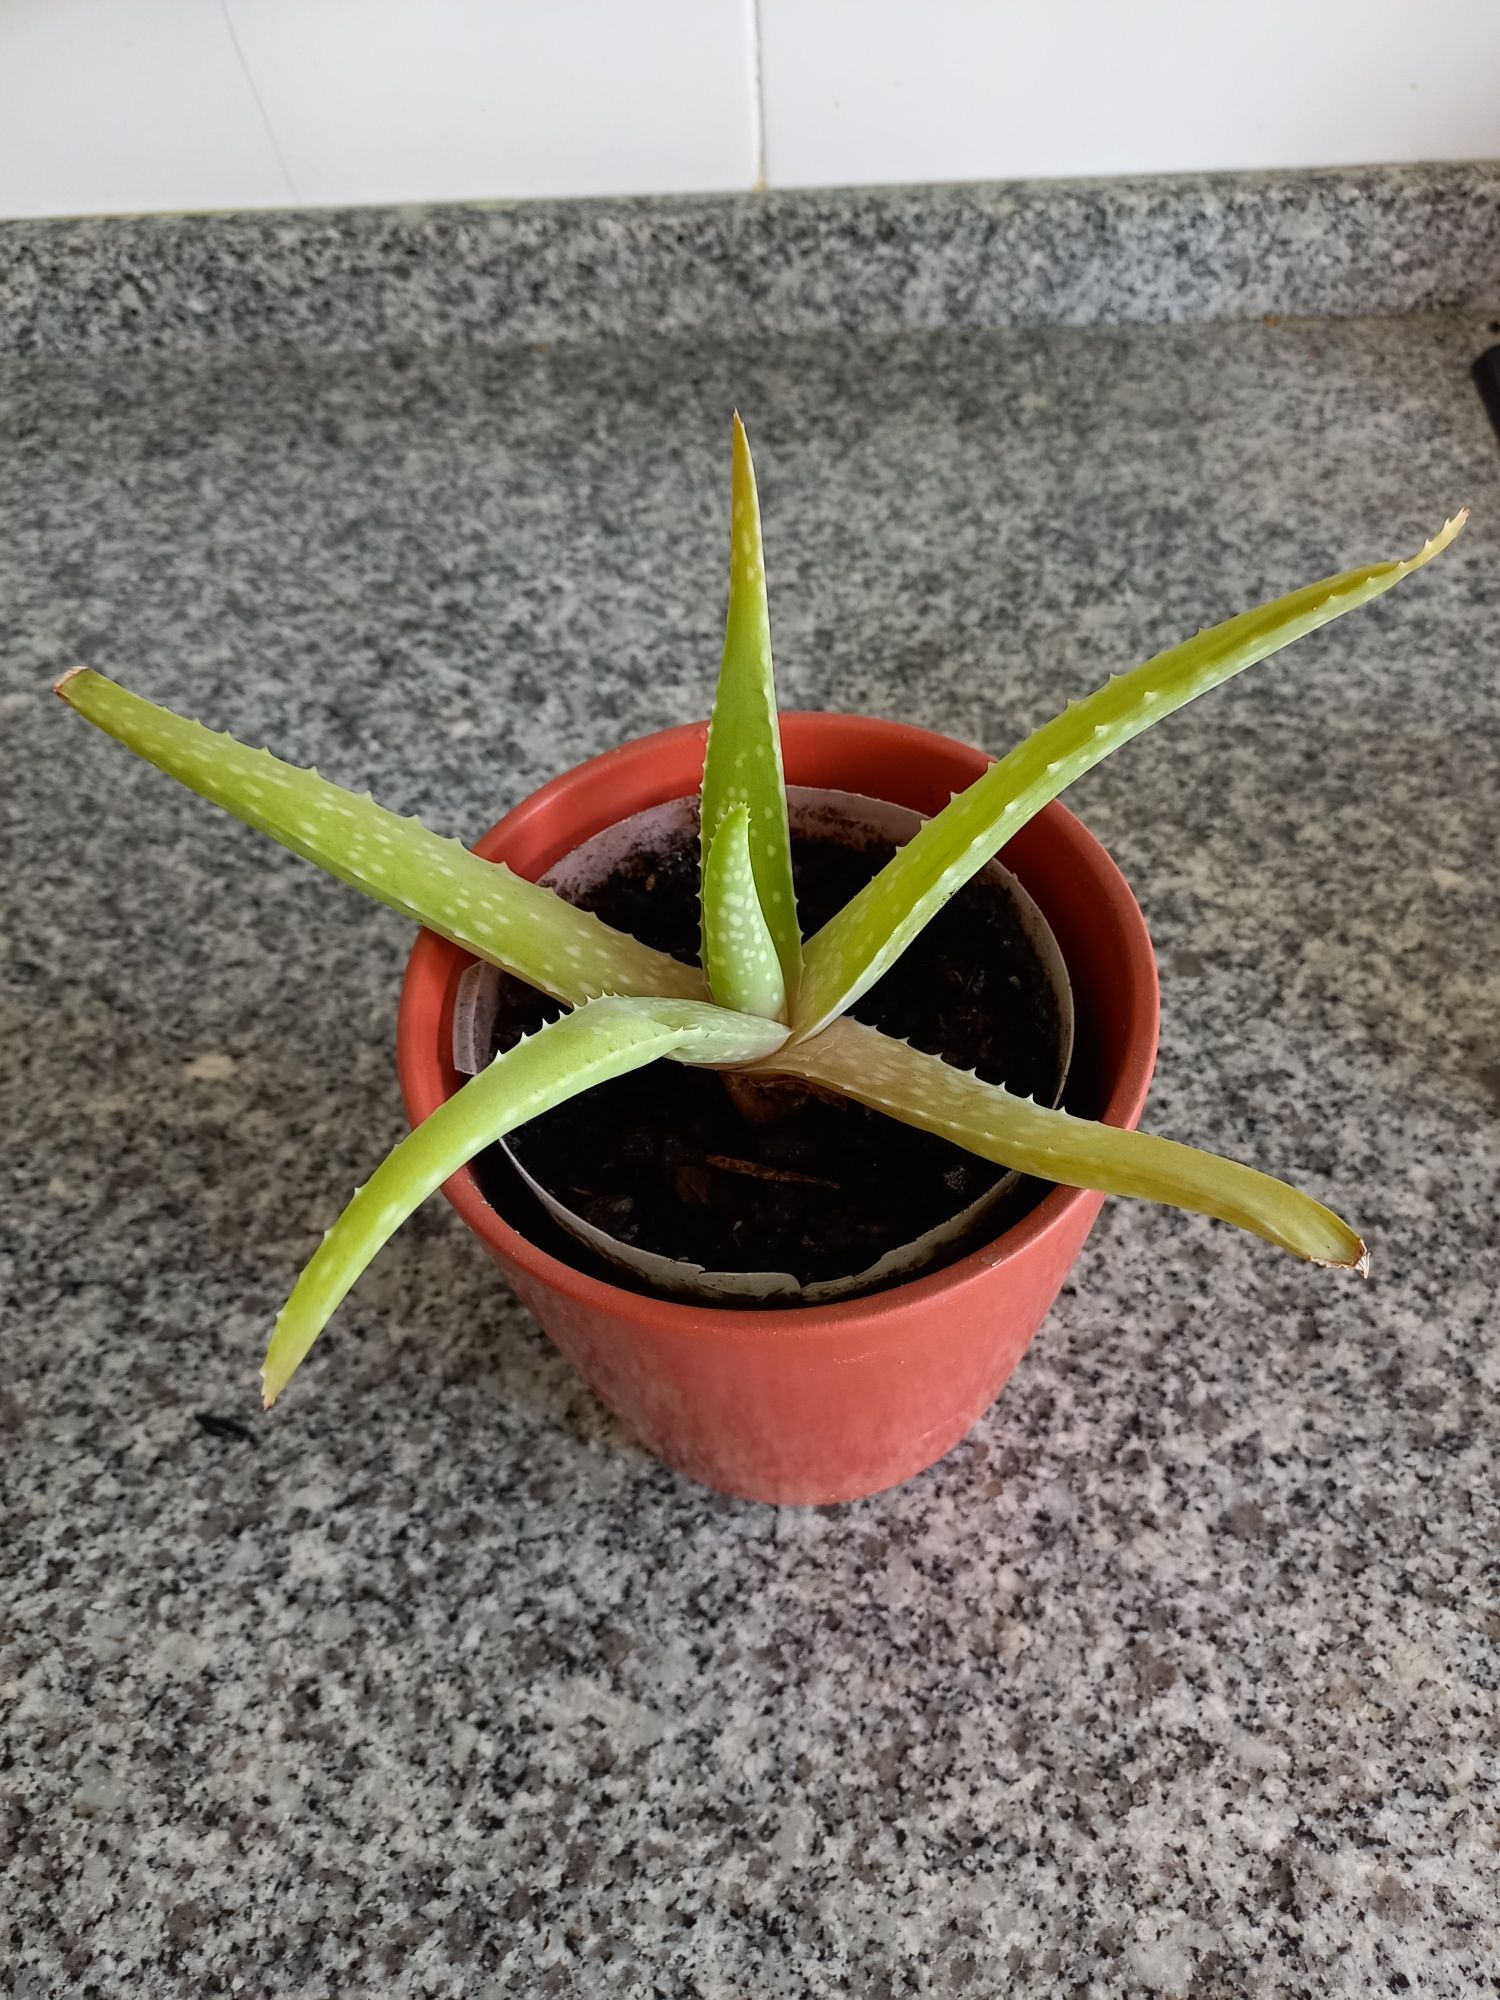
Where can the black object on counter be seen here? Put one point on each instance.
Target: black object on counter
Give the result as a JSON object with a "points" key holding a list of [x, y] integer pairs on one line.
{"points": [[1486, 373]]}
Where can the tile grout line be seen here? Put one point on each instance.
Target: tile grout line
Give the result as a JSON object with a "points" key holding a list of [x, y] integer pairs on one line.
{"points": [[758, 88]]}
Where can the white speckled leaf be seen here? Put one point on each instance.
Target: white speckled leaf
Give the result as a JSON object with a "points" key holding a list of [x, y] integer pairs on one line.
{"points": [[743, 765], [603, 1039], [478, 904], [922, 1090], [853, 948], [739, 952]]}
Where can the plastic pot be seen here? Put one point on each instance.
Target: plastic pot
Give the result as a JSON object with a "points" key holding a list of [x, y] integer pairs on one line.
{"points": [[657, 831], [814, 1404]]}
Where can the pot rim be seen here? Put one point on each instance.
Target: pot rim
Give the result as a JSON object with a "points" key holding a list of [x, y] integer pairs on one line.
{"points": [[424, 1053]]}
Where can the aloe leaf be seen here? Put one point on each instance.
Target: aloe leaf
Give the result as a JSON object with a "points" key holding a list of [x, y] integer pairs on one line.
{"points": [[739, 953], [743, 764], [922, 1090], [478, 904], [852, 950], [603, 1039]]}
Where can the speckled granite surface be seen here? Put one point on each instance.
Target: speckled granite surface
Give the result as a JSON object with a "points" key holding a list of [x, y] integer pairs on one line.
{"points": [[1179, 1676], [1189, 247]]}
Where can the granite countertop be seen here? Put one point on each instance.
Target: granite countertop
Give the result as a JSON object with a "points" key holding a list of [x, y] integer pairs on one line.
{"points": [[1178, 1676]]}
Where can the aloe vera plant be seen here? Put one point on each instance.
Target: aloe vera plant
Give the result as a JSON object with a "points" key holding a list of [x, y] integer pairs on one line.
{"points": [[765, 1004]]}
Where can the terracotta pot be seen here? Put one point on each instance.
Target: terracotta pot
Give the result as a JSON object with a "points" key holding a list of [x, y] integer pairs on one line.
{"points": [[815, 1403]]}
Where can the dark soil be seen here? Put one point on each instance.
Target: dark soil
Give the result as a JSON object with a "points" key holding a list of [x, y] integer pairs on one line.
{"points": [[665, 1160]]}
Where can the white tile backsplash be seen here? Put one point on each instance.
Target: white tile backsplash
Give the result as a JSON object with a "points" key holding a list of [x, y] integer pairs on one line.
{"points": [[886, 90], [109, 105], [113, 105], [391, 100]]}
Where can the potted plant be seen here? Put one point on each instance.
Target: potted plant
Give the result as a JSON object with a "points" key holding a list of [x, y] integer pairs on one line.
{"points": [[773, 1029]]}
